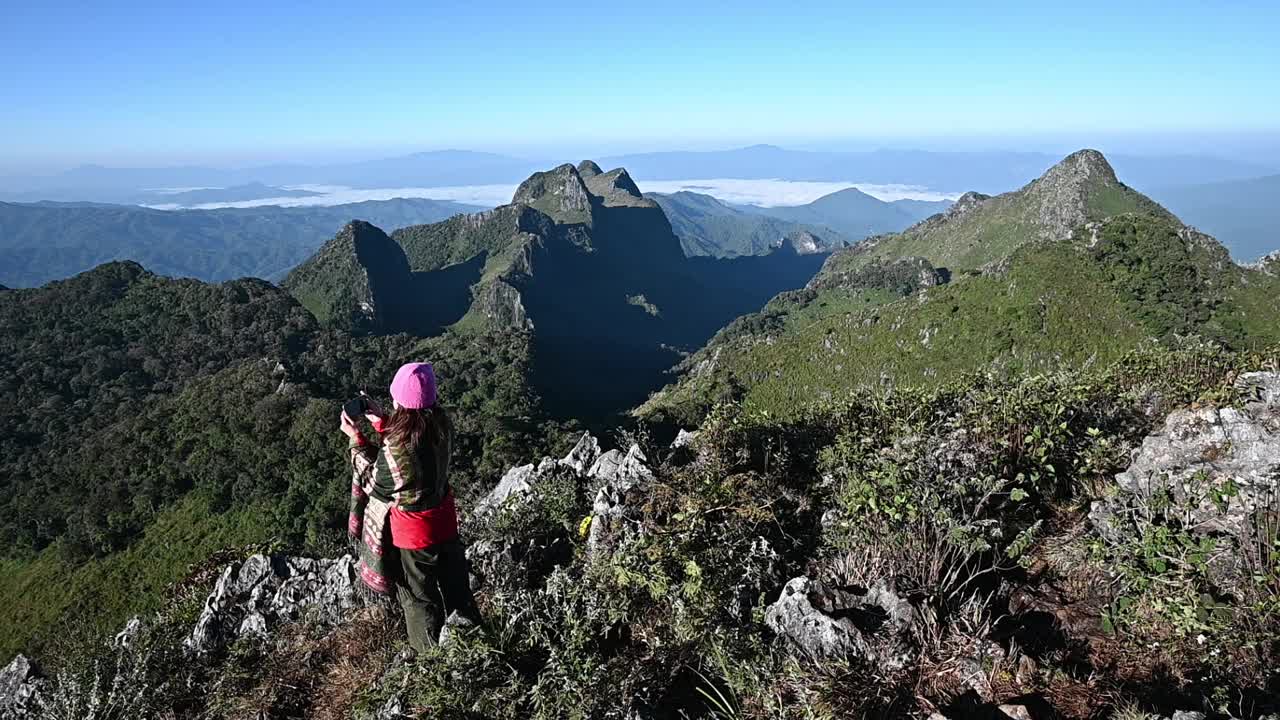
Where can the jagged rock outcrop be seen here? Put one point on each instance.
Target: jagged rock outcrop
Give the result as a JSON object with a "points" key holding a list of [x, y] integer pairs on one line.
{"points": [[583, 455], [965, 204], [519, 482], [1218, 465], [821, 622], [614, 505], [20, 686], [392, 709], [559, 192], [1269, 263], [502, 306], [610, 472], [803, 242], [1062, 195], [128, 636], [610, 476], [684, 439], [903, 277], [251, 597], [1185, 715], [616, 189]]}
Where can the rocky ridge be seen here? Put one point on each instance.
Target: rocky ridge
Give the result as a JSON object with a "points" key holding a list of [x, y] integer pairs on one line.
{"points": [[559, 192], [979, 230], [903, 276]]}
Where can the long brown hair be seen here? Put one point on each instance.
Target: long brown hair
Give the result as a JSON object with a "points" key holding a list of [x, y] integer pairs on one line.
{"points": [[408, 428]]}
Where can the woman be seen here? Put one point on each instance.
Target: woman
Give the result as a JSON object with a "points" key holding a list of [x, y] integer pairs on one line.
{"points": [[402, 505]]}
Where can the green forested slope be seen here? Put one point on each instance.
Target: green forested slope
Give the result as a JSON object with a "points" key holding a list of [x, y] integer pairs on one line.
{"points": [[580, 259], [1041, 301], [155, 420]]}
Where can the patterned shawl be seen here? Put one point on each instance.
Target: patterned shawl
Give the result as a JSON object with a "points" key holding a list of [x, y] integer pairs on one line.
{"points": [[368, 525]]}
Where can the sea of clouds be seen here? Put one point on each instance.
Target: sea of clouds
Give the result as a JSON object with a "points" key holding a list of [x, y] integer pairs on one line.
{"points": [[765, 193]]}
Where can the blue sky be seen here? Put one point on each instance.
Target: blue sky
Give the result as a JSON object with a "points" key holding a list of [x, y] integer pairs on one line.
{"points": [[234, 83]]}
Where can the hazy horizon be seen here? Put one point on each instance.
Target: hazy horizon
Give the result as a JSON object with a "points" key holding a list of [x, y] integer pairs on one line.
{"points": [[239, 85], [1262, 149]]}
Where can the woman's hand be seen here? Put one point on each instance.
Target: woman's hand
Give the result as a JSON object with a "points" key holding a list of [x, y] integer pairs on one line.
{"points": [[348, 426], [373, 413]]}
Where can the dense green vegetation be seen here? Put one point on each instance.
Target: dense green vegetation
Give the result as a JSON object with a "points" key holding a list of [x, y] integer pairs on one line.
{"points": [[1057, 305], [343, 285], [970, 500], [148, 410], [1028, 291], [458, 239], [40, 242]]}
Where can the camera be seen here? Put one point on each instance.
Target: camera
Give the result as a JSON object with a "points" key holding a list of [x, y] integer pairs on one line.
{"points": [[356, 408]]}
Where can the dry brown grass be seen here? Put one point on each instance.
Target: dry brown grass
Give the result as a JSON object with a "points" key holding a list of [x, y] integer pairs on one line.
{"points": [[311, 676]]}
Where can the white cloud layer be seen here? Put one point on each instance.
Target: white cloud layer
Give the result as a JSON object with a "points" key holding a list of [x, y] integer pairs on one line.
{"points": [[774, 193], [765, 193]]}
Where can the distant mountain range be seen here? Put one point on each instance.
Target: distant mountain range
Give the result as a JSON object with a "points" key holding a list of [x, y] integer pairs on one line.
{"points": [[857, 214], [708, 226], [1243, 214], [47, 241], [427, 169]]}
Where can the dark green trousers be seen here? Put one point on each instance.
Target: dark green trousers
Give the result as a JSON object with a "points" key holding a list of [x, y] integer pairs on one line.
{"points": [[434, 583]]}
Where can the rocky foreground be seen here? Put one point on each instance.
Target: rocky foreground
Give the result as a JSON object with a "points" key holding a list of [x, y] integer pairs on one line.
{"points": [[1018, 622]]}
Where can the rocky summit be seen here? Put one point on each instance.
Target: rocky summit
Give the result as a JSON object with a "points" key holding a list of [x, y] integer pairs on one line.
{"points": [[979, 230]]}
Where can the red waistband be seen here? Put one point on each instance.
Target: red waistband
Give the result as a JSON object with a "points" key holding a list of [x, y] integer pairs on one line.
{"points": [[423, 528]]}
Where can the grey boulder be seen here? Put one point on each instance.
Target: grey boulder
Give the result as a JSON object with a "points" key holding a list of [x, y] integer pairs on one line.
{"points": [[615, 505], [252, 597], [1218, 465], [20, 686], [519, 483], [819, 622]]}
